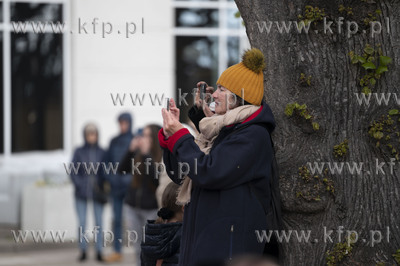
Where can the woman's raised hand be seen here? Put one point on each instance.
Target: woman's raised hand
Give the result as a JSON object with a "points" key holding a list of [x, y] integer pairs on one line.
{"points": [[171, 122], [134, 145], [173, 109]]}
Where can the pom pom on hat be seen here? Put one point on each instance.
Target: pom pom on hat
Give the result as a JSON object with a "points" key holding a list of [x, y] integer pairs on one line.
{"points": [[253, 59]]}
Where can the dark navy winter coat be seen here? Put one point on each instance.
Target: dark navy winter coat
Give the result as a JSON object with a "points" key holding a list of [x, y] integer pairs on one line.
{"points": [[221, 219], [115, 153], [84, 183]]}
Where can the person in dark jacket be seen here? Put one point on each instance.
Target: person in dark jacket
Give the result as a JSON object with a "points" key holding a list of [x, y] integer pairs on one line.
{"points": [[160, 246], [118, 182], [140, 201], [225, 172], [88, 185]]}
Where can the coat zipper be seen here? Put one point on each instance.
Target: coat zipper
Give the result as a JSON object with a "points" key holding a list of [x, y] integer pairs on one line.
{"points": [[231, 243]]}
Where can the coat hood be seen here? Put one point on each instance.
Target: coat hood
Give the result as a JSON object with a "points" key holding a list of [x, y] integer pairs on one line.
{"points": [[90, 127], [161, 240], [126, 117]]}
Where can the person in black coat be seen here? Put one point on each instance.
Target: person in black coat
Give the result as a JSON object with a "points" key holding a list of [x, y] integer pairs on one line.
{"points": [[88, 186], [161, 244], [227, 168]]}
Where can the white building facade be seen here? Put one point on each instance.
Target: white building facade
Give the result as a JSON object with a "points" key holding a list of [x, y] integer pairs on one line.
{"points": [[54, 83]]}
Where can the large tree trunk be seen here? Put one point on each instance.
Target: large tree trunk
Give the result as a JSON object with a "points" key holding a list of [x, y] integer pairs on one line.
{"points": [[360, 202]]}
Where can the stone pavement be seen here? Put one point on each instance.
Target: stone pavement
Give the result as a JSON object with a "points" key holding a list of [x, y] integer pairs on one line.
{"points": [[49, 254], [63, 256]]}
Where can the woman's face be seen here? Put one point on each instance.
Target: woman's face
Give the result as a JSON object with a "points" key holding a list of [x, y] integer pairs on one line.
{"points": [[147, 134], [91, 137], [123, 126], [146, 141], [224, 100]]}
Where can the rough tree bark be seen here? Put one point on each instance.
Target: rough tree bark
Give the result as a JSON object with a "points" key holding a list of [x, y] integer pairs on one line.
{"points": [[360, 202]]}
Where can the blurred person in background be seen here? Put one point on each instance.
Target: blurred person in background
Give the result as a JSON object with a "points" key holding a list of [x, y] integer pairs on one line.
{"points": [[118, 182], [89, 188], [140, 202], [163, 236]]}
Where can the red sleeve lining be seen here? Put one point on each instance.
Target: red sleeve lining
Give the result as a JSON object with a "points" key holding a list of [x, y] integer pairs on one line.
{"points": [[161, 139], [174, 138]]}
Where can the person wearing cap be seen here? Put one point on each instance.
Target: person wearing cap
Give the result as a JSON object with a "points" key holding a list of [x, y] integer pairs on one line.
{"points": [[87, 186], [118, 182], [225, 165]]}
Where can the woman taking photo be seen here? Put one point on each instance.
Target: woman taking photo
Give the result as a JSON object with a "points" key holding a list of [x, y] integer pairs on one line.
{"points": [[140, 200], [229, 166]]}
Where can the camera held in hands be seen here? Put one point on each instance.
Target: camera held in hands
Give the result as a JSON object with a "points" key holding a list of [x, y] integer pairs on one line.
{"points": [[167, 104], [203, 91]]}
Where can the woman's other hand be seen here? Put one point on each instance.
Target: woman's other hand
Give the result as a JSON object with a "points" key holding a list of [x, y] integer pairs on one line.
{"points": [[134, 145], [203, 103], [171, 122]]}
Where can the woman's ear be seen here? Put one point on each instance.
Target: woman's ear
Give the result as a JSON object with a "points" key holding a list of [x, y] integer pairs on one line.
{"points": [[233, 103]]}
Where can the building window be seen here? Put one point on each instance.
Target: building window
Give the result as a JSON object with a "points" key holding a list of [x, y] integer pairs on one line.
{"points": [[33, 86], [208, 39]]}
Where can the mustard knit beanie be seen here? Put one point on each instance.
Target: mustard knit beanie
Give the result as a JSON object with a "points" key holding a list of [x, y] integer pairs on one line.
{"points": [[247, 76]]}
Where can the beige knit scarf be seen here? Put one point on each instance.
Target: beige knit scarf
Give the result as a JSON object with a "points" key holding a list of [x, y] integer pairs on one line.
{"points": [[209, 130]]}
